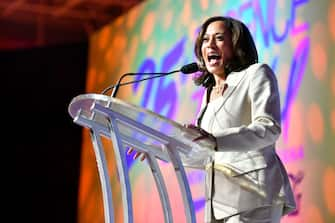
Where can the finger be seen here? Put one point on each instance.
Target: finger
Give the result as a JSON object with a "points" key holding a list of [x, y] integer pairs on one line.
{"points": [[191, 126], [137, 155], [200, 137], [143, 157], [130, 150]]}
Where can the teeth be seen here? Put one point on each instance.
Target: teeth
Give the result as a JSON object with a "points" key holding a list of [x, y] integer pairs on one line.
{"points": [[213, 56]]}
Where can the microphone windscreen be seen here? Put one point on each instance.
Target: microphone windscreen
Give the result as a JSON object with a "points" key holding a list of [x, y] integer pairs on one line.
{"points": [[190, 68]]}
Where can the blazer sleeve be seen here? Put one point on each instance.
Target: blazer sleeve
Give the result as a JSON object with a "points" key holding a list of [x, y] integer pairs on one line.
{"points": [[202, 108], [264, 128]]}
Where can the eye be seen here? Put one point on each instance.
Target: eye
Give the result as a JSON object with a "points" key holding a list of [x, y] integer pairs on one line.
{"points": [[205, 39], [220, 37]]}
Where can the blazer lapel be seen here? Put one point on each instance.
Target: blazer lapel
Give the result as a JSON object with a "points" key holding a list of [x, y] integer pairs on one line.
{"points": [[233, 80]]}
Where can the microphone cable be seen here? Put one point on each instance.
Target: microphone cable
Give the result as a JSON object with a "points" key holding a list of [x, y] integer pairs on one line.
{"points": [[186, 69]]}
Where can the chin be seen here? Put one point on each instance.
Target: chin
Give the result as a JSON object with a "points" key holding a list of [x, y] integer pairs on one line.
{"points": [[215, 70]]}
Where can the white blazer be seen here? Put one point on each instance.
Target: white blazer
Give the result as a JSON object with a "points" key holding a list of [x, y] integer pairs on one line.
{"points": [[245, 172]]}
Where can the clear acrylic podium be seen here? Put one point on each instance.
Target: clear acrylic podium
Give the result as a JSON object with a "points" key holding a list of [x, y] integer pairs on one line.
{"points": [[128, 125]]}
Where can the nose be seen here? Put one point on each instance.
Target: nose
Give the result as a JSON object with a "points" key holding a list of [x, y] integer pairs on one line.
{"points": [[211, 42]]}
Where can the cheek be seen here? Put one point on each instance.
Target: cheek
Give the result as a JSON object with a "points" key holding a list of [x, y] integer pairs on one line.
{"points": [[228, 52]]}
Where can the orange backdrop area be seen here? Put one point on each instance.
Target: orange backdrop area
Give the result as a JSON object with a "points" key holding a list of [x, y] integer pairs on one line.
{"points": [[295, 37]]}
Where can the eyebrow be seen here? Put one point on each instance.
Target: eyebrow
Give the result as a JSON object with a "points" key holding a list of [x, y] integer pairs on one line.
{"points": [[218, 33]]}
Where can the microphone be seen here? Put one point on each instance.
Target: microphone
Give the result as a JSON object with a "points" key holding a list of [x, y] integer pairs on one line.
{"points": [[186, 69], [189, 68]]}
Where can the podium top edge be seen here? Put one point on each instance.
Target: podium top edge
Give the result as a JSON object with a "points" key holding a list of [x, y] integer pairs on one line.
{"points": [[84, 102]]}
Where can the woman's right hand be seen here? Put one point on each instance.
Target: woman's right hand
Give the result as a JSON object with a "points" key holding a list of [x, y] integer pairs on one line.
{"points": [[203, 134], [137, 154]]}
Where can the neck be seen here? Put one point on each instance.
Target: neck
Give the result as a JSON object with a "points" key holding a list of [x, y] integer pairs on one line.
{"points": [[219, 80]]}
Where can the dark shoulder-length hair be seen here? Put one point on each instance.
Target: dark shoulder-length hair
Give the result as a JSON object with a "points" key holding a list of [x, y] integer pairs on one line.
{"points": [[245, 52]]}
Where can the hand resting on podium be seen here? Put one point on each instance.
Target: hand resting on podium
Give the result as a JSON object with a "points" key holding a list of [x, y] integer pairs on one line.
{"points": [[137, 154], [203, 135]]}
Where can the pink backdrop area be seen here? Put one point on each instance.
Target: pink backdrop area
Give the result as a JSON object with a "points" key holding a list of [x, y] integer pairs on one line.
{"points": [[295, 37]]}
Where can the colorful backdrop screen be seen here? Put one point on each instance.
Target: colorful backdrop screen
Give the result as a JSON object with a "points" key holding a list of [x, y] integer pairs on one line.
{"points": [[295, 37]]}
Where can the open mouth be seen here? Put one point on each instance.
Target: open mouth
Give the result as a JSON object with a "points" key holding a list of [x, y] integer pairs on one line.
{"points": [[213, 58]]}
